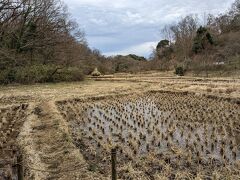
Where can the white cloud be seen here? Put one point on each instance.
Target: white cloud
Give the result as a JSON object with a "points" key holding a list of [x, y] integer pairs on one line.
{"points": [[99, 22], [99, 3], [139, 49], [113, 25]]}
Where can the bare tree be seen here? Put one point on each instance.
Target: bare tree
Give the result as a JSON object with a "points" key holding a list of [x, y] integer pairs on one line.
{"points": [[184, 33], [167, 33]]}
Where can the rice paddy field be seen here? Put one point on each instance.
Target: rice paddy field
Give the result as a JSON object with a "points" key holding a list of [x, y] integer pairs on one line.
{"points": [[163, 127]]}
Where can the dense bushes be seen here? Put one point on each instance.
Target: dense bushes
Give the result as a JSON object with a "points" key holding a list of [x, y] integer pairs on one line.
{"points": [[180, 71], [39, 74], [66, 74], [39, 42], [202, 39]]}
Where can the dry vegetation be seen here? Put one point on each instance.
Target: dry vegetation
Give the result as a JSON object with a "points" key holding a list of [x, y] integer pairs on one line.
{"points": [[195, 135], [11, 121], [164, 127]]}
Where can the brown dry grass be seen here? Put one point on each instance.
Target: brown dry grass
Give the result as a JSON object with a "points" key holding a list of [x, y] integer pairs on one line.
{"points": [[134, 170], [44, 138]]}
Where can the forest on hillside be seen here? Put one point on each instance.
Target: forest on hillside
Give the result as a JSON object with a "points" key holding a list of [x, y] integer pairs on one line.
{"points": [[213, 45], [197, 46], [39, 42]]}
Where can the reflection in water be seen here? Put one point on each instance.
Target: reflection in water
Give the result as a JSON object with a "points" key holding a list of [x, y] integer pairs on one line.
{"points": [[142, 126]]}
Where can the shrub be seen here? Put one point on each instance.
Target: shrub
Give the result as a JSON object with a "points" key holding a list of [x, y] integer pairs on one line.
{"points": [[39, 73], [179, 71], [6, 76], [33, 74], [68, 74]]}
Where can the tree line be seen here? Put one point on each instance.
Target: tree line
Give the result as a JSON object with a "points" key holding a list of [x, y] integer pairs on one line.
{"points": [[201, 46], [193, 45], [39, 42]]}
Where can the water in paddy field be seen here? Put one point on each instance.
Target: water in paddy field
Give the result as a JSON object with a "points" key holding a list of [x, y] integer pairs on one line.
{"points": [[144, 126]]}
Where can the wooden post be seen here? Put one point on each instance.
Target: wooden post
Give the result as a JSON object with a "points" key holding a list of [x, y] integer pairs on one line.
{"points": [[19, 167], [114, 161]]}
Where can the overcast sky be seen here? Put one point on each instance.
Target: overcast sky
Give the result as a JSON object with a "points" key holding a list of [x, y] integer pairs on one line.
{"points": [[133, 26]]}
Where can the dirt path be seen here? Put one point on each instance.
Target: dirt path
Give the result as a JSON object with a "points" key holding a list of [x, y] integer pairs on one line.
{"points": [[47, 148], [50, 153]]}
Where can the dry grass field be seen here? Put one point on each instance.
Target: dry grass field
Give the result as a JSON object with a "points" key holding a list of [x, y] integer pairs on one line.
{"points": [[164, 127]]}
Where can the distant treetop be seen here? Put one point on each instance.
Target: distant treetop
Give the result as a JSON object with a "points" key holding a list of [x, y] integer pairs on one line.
{"points": [[138, 58], [163, 43]]}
